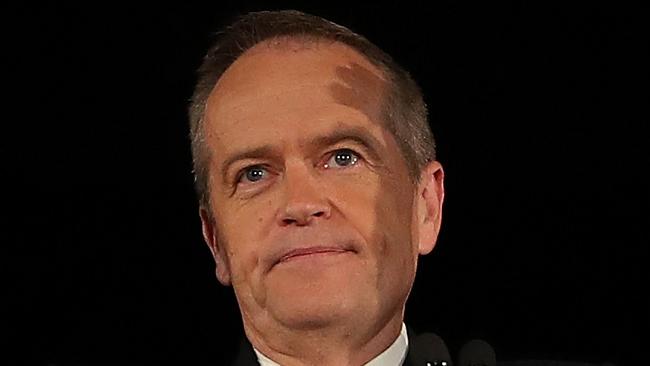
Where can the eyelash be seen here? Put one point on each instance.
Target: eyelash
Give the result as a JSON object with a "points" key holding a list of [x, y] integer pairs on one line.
{"points": [[355, 160], [243, 172]]}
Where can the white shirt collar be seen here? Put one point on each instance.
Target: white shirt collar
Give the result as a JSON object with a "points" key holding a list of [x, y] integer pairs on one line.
{"points": [[392, 356]]}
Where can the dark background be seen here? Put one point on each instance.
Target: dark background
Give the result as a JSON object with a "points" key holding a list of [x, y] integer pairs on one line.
{"points": [[538, 109]]}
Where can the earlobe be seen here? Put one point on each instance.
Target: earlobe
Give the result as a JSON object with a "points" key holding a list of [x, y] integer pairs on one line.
{"points": [[211, 238], [431, 193]]}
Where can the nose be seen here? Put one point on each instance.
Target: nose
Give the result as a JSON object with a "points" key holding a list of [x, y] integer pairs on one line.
{"points": [[304, 199]]}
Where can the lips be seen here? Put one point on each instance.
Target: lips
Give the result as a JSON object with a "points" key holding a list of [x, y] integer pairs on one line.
{"points": [[305, 244], [299, 252]]}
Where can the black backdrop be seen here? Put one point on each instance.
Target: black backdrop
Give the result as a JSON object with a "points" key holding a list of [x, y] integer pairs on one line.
{"points": [[537, 111]]}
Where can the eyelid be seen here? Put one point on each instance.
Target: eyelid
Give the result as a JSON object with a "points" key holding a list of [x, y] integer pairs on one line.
{"points": [[242, 172], [332, 154]]}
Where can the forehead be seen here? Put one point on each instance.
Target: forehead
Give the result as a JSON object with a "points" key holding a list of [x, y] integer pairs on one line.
{"points": [[297, 60], [281, 69]]}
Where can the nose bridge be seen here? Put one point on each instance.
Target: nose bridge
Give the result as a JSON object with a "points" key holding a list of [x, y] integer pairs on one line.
{"points": [[304, 199]]}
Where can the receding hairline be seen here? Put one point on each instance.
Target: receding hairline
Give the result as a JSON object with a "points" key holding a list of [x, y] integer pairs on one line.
{"points": [[298, 43], [354, 71]]}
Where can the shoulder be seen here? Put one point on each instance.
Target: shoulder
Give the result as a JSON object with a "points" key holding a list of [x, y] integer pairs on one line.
{"points": [[429, 348], [425, 348], [548, 363]]}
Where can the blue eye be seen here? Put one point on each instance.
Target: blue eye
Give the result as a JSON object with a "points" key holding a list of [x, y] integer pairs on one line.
{"points": [[343, 158], [253, 173]]}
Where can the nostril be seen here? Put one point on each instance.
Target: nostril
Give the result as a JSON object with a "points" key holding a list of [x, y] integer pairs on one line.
{"points": [[303, 215], [288, 221]]}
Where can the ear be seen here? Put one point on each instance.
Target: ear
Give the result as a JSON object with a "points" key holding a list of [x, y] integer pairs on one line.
{"points": [[218, 252], [430, 194]]}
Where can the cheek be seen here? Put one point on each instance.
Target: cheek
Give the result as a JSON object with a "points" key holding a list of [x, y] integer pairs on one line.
{"points": [[395, 217], [380, 209], [382, 212], [240, 233]]}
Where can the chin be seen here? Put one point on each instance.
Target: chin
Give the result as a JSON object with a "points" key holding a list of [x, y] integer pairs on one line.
{"points": [[318, 308], [316, 318]]}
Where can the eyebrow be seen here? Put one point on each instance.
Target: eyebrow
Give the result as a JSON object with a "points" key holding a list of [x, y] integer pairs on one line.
{"points": [[253, 153], [356, 134]]}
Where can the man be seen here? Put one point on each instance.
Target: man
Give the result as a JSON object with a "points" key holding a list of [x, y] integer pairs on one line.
{"points": [[318, 187]]}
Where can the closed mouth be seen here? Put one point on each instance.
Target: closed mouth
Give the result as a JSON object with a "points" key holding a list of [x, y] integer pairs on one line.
{"points": [[302, 252]]}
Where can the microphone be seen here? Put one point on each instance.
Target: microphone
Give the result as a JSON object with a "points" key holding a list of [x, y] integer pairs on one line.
{"points": [[432, 350], [477, 353]]}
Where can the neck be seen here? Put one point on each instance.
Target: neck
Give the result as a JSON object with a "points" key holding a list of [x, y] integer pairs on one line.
{"points": [[345, 345]]}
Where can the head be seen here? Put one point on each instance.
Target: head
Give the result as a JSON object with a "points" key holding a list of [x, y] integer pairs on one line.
{"points": [[316, 173], [404, 110]]}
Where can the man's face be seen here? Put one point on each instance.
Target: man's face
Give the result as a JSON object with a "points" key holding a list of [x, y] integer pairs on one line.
{"points": [[315, 218]]}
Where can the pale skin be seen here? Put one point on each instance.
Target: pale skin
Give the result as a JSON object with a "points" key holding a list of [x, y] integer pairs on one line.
{"points": [[301, 160]]}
